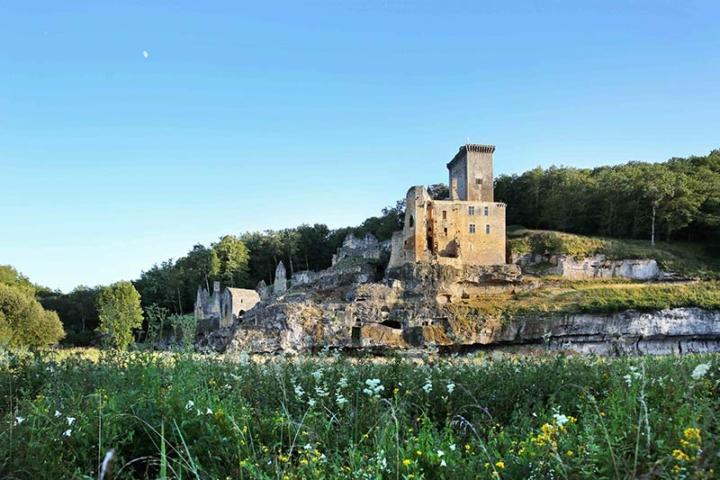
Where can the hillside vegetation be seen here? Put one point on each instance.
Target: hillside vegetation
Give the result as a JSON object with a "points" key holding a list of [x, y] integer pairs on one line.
{"points": [[701, 260]]}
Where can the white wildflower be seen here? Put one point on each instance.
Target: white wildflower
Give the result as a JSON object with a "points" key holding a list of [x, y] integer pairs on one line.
{"points": [[208, 411], [67, 433], [70, 420], [321, 391], [299, 392], [628, 380], [340, 399], [308, 447], [58, 414], [374, 387], [343, 382], [317, 374], [450, 387], [443, 463], [700, 371], [312, 402], [560, 419], [440, 453], [189, 405], [452, 447], [428, 386], [19, 420]]}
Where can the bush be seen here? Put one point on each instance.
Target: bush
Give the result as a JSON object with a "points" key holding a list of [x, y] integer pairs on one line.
{"points": [[23, 321]]}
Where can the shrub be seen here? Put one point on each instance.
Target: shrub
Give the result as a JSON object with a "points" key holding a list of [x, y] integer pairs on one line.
{"points": [[23, 321]]}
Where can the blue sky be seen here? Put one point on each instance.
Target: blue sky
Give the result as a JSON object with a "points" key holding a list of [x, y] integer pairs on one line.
{"points": [[255, 115]]}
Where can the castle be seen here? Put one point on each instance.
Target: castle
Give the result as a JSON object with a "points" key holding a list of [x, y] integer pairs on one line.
{"points": [[466, 229]]}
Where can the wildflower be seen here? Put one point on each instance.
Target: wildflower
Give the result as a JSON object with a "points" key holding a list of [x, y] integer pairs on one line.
{"points": [[450, 387], [570, 453], [443, 463], [70, 420], [58, 414], [312, 402], [317, 374], [680, 455], [208, 411], [700, 371], [440, 453], [189, 405], [407, 462], [340, 399], [428, 386], [560, 419], [374, 387], [692, 434], [500, 464], [418, 453], [299, 392], [19, 420], [67, 433], [343, 382], [452, 447]]}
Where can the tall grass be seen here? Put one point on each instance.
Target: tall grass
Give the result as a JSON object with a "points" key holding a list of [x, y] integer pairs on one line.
{"points": [[182, 416]]}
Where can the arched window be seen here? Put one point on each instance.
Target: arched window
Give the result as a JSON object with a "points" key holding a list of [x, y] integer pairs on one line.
{"points": [[411, 222]]}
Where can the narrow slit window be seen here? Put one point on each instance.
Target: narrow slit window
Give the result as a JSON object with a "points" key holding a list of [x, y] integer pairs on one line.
{"points": [[472, 228], [486, 211], [487, 229], [444, 214]]}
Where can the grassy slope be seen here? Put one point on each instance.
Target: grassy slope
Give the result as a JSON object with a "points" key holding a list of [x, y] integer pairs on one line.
{"points": [[687, 258]]}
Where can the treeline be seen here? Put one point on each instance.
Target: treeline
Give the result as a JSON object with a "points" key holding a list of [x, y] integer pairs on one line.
{"points": [[619, 201]]}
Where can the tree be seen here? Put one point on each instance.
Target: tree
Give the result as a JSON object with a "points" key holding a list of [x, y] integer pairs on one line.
{"points": [[23, 321], [120, 313], [232, 256]]}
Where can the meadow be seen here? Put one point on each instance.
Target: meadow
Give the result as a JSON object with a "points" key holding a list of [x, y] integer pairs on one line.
{"points": [[179, 415]]}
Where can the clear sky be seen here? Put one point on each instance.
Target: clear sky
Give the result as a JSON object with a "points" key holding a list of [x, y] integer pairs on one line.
{"points": [[131, 130]]}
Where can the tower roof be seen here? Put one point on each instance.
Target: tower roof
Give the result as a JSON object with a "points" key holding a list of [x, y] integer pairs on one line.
{"points": [[472, 147]]}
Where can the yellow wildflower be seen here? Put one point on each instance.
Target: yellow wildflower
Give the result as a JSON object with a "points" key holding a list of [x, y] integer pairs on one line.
{"points": [[570, 453], [500, 464], [680, 455], [692, 434], [407, 462], [418, 453]]}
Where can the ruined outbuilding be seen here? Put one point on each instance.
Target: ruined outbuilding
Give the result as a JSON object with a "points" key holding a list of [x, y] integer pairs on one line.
{"points": [[466, 229], [221, 308]]}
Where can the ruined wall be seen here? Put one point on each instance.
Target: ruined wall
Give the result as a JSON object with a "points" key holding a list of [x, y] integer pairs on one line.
{"points": [[453, 237]]}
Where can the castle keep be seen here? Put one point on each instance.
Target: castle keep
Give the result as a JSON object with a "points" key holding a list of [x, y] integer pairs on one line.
{"points": [[466, 229]]}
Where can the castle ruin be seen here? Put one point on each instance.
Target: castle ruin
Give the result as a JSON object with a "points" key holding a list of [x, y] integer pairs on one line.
{"points": [[466, 229]]}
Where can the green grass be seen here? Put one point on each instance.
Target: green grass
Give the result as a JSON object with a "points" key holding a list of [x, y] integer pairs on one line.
{"points": [[686, 258], [562, 296], [181, 416]]}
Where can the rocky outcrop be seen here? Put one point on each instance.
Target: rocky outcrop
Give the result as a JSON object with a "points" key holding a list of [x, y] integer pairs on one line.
{"points": [[678, 330], [596, 266]]}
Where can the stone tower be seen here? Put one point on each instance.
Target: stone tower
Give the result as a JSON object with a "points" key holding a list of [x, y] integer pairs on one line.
{"points": [[280, 285], [471, 174]]}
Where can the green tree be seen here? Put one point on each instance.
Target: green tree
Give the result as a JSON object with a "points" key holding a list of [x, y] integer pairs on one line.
{"points": [[120, 313], [232, 259], [23, 321]]}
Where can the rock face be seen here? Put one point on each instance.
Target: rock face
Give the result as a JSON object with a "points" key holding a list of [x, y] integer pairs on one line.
{"points": [[596, 266], [677, 330], [429, 306]]}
